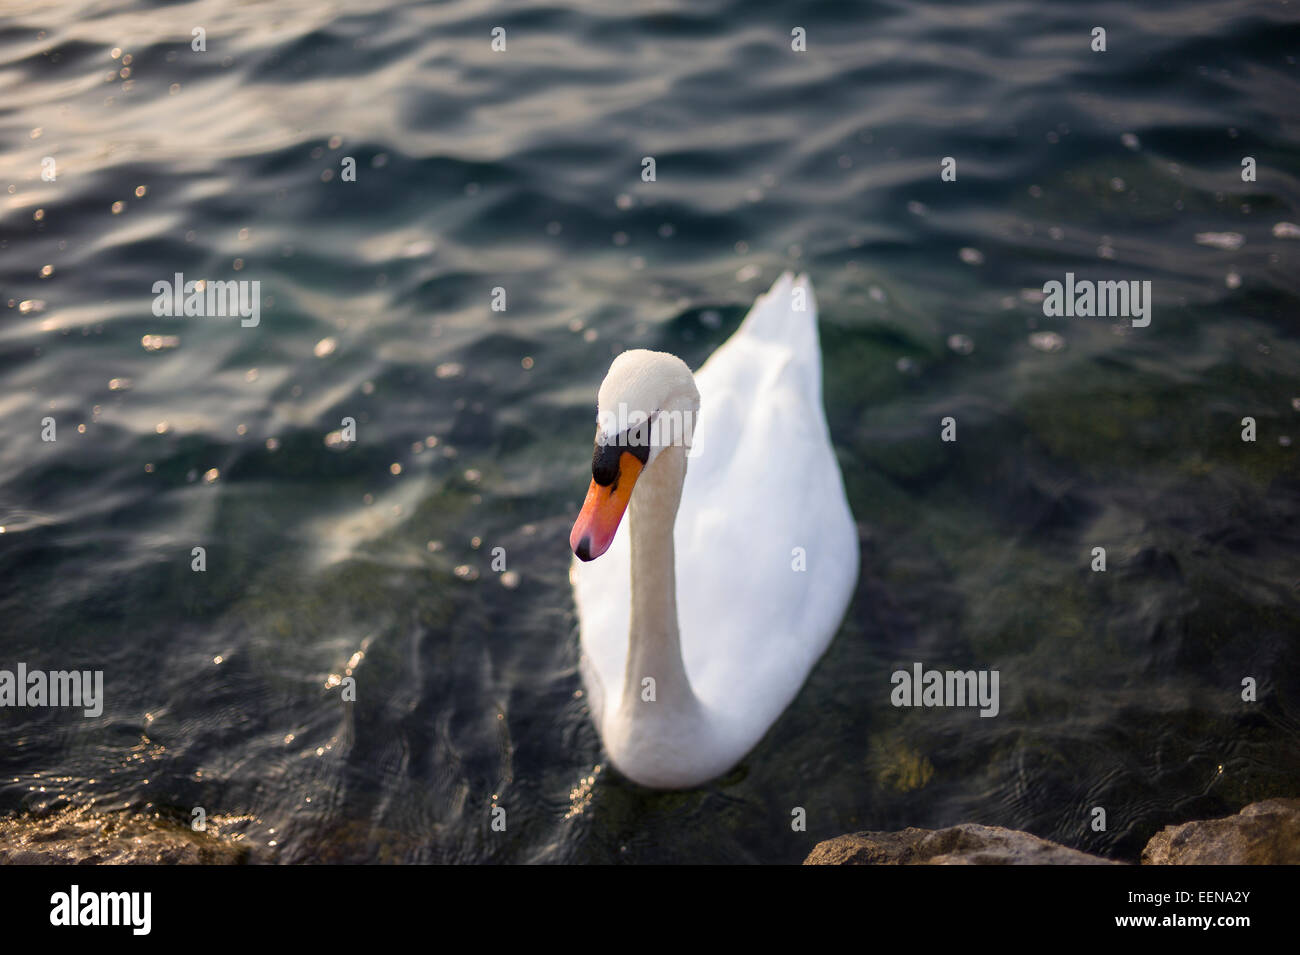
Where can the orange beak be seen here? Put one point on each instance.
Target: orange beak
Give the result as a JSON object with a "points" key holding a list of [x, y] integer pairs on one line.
{"points": [[603, 509]]}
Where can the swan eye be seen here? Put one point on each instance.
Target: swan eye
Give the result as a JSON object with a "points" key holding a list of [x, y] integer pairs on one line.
{"points": [[605, 459]]}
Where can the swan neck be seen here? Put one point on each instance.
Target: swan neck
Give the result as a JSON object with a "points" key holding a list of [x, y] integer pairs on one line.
{"points": [[654, 649]]}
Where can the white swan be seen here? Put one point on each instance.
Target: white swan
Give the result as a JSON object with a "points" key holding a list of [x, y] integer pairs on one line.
{"points": [[752, 548]]}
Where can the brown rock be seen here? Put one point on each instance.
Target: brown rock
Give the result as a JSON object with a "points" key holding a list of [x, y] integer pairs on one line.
{"points": [[1264, 833], [79, 836], [967, 844]]}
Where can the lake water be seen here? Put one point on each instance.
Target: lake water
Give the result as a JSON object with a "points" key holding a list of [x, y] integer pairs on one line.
{"points": [[522, 170]]}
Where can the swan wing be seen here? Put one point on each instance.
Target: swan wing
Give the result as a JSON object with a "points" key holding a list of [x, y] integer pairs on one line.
{"points": [[766, 546]]}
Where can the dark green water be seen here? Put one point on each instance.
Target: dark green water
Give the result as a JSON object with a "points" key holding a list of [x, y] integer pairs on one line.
{"points": [[521, 170]]}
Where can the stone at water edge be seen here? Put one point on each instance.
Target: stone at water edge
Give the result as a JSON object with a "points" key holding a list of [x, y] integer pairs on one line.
{"points": [[1264, 833], [966, 844], [80, 836]]}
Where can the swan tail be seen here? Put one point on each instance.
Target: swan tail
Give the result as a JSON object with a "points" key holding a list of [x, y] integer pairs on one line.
{"points": [[786, 315]]}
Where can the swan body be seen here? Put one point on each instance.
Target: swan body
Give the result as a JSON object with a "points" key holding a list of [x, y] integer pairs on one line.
{"points": [[740, 554]]}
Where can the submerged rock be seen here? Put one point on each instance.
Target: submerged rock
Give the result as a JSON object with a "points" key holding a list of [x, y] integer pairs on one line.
{"points": [[1264, 833], [966, 844], [79, 836]]}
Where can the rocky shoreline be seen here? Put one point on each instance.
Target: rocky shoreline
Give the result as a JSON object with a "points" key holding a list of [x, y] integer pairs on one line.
{"points": [[1263, 833]]}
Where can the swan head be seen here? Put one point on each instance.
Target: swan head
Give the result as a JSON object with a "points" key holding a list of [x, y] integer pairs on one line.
{"points": [[647, 402]]}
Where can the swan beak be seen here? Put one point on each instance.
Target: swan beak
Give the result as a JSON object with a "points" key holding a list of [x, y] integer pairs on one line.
{"points": [[603, 509]]}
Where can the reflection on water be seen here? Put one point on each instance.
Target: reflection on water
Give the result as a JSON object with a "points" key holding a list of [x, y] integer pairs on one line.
{"points": [[330, 560]]}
